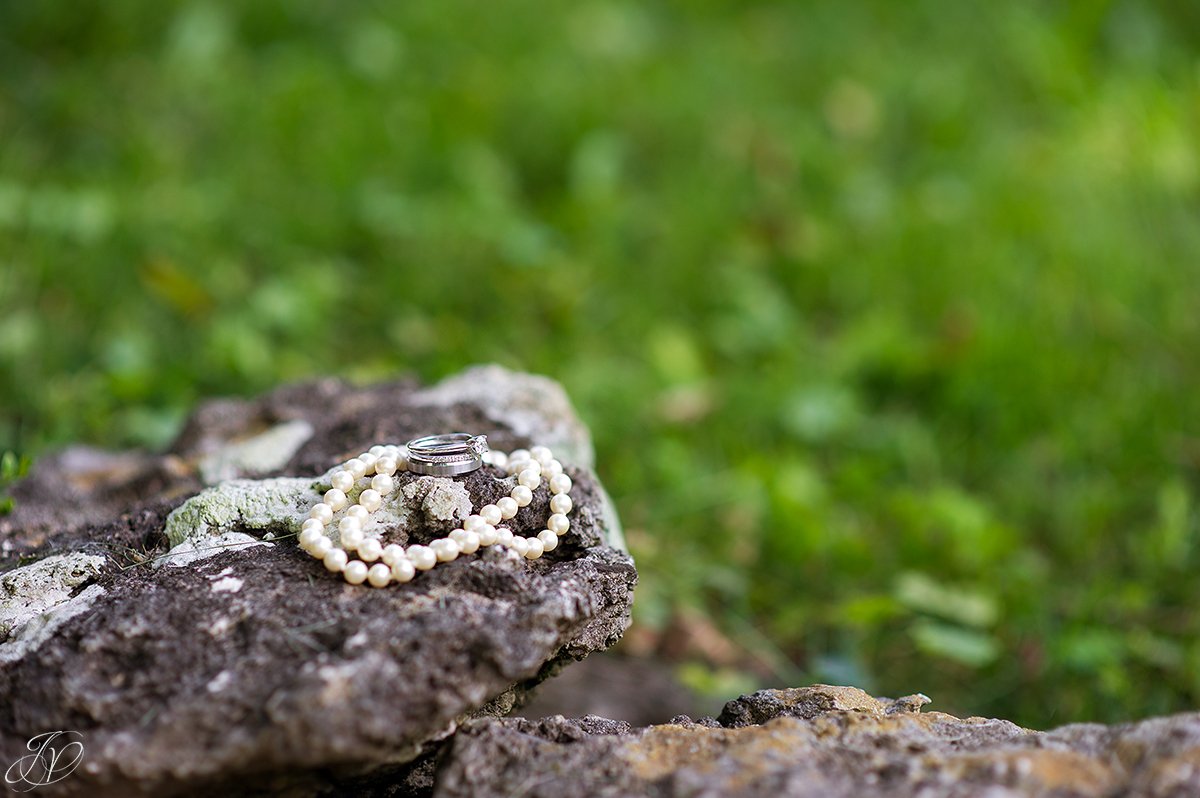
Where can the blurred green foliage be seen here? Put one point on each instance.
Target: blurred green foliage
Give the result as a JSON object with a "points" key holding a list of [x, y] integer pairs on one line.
{"points": [[886, 316]]}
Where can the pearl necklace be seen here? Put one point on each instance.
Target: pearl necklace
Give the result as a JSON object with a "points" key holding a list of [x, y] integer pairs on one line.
{"points": [[479, 530]]}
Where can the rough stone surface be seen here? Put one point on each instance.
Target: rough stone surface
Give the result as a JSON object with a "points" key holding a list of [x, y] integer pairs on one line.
{"points": [[821, 741], [198, 651]]}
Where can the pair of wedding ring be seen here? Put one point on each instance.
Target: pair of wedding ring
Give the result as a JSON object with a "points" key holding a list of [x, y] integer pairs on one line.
{"points": [[447, 455]]}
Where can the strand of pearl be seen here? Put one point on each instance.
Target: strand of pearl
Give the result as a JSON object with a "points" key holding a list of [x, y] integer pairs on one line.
{"points": [[371, 474]]}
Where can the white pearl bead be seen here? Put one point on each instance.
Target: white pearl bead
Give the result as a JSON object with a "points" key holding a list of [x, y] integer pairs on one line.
{"points": [[490, 513], [335, 560], [370, 549], [355, 572], [377, 450], [385, 466], [356, 467], [530, 479], [312, 523], [534, 466], [552, 470], [560, 484], [474, 522], [311, 535], [487, 535], [515, 467], [561, 504], [469, 543], [379, 575], [445, 549], [335, 498], [403, 570], [321, 547], [504, 535], [522, 495], [352, 538], [518, 455], [401, 461], [558, 523], [321, 512], [541, 454], [393, 554], [422, 557], [549, 539], [368, 460], [370, 499], [359, 512], [519, 545], [508, 508], [342, 479], [534, 548], [350, 531], [383, 484], [500, 460]]}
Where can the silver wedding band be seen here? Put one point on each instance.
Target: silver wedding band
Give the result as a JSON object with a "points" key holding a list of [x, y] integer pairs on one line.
{"points": [[447, 455]]}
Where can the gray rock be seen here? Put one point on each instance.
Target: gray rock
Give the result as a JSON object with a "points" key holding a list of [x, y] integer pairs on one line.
{"points": [[259, 454], [821, 741], [199, 651]]}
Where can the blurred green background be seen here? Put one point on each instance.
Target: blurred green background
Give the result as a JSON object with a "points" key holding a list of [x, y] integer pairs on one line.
{"points": [[885, 316]]}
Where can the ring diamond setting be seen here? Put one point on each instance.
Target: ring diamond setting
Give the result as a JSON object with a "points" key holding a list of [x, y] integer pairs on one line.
{"points": [[447, 455]]}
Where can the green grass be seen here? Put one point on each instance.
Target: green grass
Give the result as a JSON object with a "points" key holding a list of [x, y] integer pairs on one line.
{"points": [[886, 316]]}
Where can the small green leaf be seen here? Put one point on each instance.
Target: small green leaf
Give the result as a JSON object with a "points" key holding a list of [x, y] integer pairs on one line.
{"points": [[965, 646], [921, 593]]}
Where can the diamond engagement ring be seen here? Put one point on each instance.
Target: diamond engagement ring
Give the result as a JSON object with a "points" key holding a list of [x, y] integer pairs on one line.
{"points": [[447, 455]]}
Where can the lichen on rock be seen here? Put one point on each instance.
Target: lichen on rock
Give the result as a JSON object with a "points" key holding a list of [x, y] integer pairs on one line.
{"points": [[438, 500], [257, 504], [30, 590], [36, 598]]}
